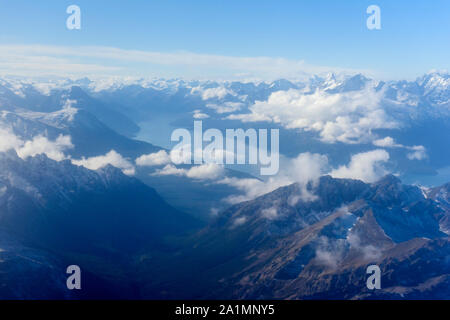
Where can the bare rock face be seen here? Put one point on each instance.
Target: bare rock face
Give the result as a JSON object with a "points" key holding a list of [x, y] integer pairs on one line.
{"points": [[54, 214], [63, 206], [320, 248]]}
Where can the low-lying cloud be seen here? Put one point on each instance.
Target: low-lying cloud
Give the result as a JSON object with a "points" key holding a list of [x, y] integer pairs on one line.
{"points": [[42, 145], [38, 60], [366, 166], [306, 167], [53, 149], [153, 159], [347, 117], [209, 171], [9, 140], [416, 152], [112, 157]]}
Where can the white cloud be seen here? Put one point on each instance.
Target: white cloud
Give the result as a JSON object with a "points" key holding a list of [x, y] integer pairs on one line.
{"points": [[113, 158], [170, 170], [9, 140], [341, 117], [200, 115], [387, 142], [46, 60], [214, 212], [239, 221], [209, 171], [55, 151], [418, 153], [307, 167], [270, 213], [84, 60], [206, 171], [366, 166], [212, 93], [329, 253], [369, 252], [41, 145], [154, 159], [226, 107], [68, 110], [304, 168], [182, 154], [251, 188], [38, 145], [327, 258]]}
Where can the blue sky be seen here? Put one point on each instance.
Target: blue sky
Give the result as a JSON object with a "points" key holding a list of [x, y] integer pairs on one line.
{"points": [[313, 35]]}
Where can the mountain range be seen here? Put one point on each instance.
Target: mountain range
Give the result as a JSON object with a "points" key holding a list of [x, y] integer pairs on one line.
{"points": [[279, 247], [72, 190]]}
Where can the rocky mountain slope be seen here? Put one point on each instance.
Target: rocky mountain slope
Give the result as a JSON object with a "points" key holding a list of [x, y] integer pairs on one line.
{"points": [[54, 214], [58, 203], [279, 246]]}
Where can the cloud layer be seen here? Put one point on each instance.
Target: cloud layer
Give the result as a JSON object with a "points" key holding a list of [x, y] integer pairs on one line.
{"points": [[9, 140], [346, 117], [209, 171], [66, 61], [38, 145], [42, 145], [416, 152], [366, 166], [154, 159], [112, 157]]}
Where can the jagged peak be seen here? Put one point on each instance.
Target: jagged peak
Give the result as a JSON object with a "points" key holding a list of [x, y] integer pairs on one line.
{"points": [[388, 179]]}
